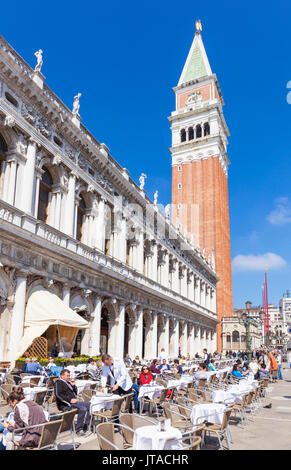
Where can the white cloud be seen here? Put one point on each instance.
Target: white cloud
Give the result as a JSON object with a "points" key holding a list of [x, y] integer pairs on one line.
{"points": [[281, 215], [257, 262]]}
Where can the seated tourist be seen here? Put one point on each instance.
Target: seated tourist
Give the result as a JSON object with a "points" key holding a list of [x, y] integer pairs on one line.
{"points": [[154, 367], [26, 413], [66, 399], [211, 367], [201, 373], [136, 361], [264, 373], [33, 367], [237, 373], [24, 367], [178, 369], [50, 363], [127, 360], [94, 369], [145, 376], [164, 366]]}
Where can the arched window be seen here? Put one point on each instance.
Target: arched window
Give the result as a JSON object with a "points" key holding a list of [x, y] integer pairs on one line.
{"points": [[80, 218], [235, 336], [206, 129], [44, 192], [183, 135], [198, 131], [228, 338], [190, 133]]}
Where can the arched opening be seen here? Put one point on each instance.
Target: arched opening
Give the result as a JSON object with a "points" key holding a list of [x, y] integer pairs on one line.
{"points": [[190, 133], [198, 131], [206, 129], [80, 218], [45, 189], [104, 331], [228, 338], [235, 336], [183, 135], [3, 150]]}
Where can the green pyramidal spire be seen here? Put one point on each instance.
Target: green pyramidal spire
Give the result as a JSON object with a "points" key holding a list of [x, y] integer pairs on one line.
{"points": [[197, 64]]}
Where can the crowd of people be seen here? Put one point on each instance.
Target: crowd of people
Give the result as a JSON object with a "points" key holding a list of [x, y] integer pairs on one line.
{"points": [[113, 375]]}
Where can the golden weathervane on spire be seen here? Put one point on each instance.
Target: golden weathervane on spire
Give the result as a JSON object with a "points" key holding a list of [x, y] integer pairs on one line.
{"points": [[198, 26]]}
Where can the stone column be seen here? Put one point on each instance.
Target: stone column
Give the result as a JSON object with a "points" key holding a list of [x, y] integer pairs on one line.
{"points": [[10, 180], [69, 226], [112, 337], [213, 303], [202, 294], [139, 332], [198, 340], [183, 278], [190, 280], [120, 332], [175, 279], [95, 327], [165, 270], [176, 339], [132, 330], [29, 178], [66, 294], [154, 262], [100, 226], [197, 290], [184, 339], [17, 320], [166, 334], [154, 350], [191, 340], [148, 341], [139, 250], [38, 175], [203, 339]]}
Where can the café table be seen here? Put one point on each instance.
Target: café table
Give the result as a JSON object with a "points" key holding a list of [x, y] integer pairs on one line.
{"points": [[210, 412], [151, 391], [151, 438], [84, 384], [29, 392], [102, 401], [27, 378]]}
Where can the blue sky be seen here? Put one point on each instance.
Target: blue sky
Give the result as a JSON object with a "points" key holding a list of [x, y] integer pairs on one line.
{"points": [[125, 57]]}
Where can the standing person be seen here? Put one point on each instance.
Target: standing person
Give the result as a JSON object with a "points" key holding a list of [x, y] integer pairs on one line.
{"points": [[116, 372], [279, 361], [66, 398], [26, 413], [273, 366], [55, 350], [206, 356], [163, 355]]}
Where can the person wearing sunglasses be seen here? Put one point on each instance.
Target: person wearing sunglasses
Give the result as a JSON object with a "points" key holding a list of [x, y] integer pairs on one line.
{"points": [[145, 376]]}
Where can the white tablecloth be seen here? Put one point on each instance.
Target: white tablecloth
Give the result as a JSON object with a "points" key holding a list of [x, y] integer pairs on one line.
{"points": [[29, 392], [150, 438], [226, 396], [211, 412], [84, 384], [26, 379], [102, 402], [2, 376], [180, 383], [152, 391]]}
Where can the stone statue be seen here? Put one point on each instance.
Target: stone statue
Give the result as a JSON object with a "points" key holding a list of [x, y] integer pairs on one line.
{"points": [[76, 104], [204, 253], [142, 179], [38, 55], [156, 197], [167, 210]]}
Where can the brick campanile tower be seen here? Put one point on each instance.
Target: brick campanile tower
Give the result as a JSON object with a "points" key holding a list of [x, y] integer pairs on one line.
{"points": [[200, 169]]}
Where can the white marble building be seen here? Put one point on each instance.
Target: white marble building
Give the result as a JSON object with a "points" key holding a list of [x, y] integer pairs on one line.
{"points": [[75, 223]]}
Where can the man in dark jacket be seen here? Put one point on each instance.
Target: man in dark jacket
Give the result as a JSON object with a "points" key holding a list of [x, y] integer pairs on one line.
{"points": [[66, 399]]}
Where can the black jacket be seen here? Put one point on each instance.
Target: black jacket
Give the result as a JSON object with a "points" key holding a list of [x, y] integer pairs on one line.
{"points": [[64, 393]]}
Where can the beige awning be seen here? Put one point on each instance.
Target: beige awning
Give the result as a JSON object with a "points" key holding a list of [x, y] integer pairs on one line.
{"points": [[44, 309]]}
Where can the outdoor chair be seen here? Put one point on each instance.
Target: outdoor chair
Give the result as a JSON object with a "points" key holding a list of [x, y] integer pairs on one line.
{"points": [[48, 437], [221, 430], [154, 402], [87, 394], [9, 379], [177, 419], [39, 397], [6, 389], [109, 415], [67, 427], [195, 442], [107, 438], [131, 422], [125, 406]]}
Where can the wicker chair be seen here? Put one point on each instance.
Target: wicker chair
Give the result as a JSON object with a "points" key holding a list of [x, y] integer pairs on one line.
{"points": [[67, 427], [154, 402], [107, 437], [195, 442], [177, 419], [221, 429], [109, 415], [48, 437], [131, 422], [39, 397], [126, 405], [6, 389]]}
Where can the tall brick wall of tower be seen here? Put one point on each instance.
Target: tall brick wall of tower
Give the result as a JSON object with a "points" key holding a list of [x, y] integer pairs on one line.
{"points": [[204, 184]]}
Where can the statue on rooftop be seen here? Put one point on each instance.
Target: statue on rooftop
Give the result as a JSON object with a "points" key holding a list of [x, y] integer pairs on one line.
{"points": [[38, 55], [76, 104]]}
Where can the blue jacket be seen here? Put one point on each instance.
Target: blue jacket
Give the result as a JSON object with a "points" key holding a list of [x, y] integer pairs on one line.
{"points": [[33, 368], [167, 366]]}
